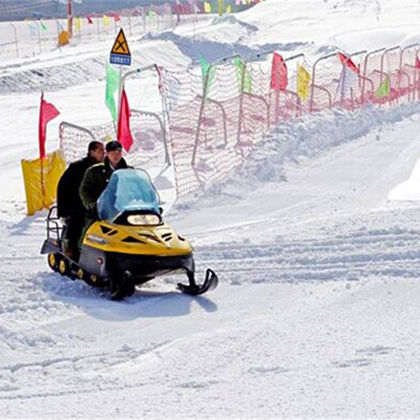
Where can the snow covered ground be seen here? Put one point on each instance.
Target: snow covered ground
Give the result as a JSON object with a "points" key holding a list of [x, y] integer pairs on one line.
{"points": [[316, 240]]}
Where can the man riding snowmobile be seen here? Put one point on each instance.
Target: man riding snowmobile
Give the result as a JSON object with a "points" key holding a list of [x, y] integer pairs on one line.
{"points": [[129, 244], [69, 204]]}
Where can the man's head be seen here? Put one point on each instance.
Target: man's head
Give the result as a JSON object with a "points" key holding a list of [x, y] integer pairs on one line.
{"points": [[96, 151], [114, 152]]}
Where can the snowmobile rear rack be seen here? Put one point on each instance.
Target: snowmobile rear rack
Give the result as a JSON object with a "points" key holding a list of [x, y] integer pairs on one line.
{"points": [[53, 227], [54, 230]]}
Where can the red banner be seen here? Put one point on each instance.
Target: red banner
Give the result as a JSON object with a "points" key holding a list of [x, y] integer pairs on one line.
{"points": [[278, 73], [47, 112], [124, 133]]}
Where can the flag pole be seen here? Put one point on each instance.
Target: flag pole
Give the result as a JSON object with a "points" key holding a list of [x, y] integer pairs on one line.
{"points": [[40, 154], [69, 18], [120, 89]]}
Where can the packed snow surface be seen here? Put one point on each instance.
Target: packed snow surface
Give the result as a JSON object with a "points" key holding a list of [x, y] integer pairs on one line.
{"points": [[316, 241]]}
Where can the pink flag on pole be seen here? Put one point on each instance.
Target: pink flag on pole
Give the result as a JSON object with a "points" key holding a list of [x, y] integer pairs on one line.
{"points": [[278, 73], [47, 113], [124, 133]]}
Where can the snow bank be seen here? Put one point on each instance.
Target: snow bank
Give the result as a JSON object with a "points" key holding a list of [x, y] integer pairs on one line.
{"points": [[410, 189]]}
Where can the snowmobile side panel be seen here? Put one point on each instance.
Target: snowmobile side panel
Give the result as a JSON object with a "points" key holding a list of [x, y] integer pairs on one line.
{"points": [[93, 261]]}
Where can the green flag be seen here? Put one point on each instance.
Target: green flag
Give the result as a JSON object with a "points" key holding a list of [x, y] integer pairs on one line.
{"points": [[112, 83], [247, 80], [205, 68], [384, 89], [44, 28]]}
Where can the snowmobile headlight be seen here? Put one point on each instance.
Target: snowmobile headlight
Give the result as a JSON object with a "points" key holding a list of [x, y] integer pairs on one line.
{"points": [[143, 219]]}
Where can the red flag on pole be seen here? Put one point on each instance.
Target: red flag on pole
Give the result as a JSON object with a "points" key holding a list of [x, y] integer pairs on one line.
{"points": [[124, 134], [348, 62], [47, 112], [278, 73], [89, 19]]}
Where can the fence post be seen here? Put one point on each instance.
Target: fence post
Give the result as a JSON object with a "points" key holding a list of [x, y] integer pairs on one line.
{"points": [[162, 129], [368, 55], [413, 64], [203, 101], [125, 76], [143, 16], [382, 67], [16, 39], [201, 111], [39, 37], [298, 99], [121, 87], [311, 102], [416, 91], [57, 25], [351, 90], [241, 100], [129, 24], [256, 56]]}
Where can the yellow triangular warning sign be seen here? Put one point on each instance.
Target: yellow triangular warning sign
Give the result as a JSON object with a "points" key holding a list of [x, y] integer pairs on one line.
{"points": [[120, 45]]}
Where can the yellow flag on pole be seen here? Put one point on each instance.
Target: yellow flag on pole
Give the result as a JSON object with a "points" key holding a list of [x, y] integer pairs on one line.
{"points": [[78, 23], [207, 7], [106, 20], [303, 80], [221, 4]]}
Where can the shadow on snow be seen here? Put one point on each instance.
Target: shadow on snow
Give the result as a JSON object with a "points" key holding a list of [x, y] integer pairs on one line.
{"points": [[149, 301]]}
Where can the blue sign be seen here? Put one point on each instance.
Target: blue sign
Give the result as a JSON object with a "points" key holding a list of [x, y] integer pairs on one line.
{"points": [[120, 59]]}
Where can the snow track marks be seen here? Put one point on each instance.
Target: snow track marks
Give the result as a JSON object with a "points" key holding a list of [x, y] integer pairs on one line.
{"points": [[384, 253]]}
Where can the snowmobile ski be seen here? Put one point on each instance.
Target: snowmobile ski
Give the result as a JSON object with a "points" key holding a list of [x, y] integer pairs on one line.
{"points": [[195, 289]]}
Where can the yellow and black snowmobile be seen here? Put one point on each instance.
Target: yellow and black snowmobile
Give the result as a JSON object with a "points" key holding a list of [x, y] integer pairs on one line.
{"points": [[130, 244]]}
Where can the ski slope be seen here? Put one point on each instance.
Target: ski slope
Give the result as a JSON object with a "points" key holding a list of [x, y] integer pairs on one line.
{"points": [[316, 241]]}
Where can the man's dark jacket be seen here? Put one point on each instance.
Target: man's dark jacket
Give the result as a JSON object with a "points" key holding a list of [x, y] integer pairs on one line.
{"points": [[95, 181], [68, 198]]}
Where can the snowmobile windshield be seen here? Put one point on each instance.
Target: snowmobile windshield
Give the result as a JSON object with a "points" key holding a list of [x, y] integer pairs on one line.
{"points": [[128, 190]]}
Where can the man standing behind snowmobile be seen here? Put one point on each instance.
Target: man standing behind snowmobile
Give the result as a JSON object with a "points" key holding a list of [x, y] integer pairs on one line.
{"points": [[97, 177], [69, 206]]}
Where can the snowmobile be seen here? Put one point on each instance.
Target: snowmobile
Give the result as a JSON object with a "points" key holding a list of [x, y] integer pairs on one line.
{"points": [[129, 245]]}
